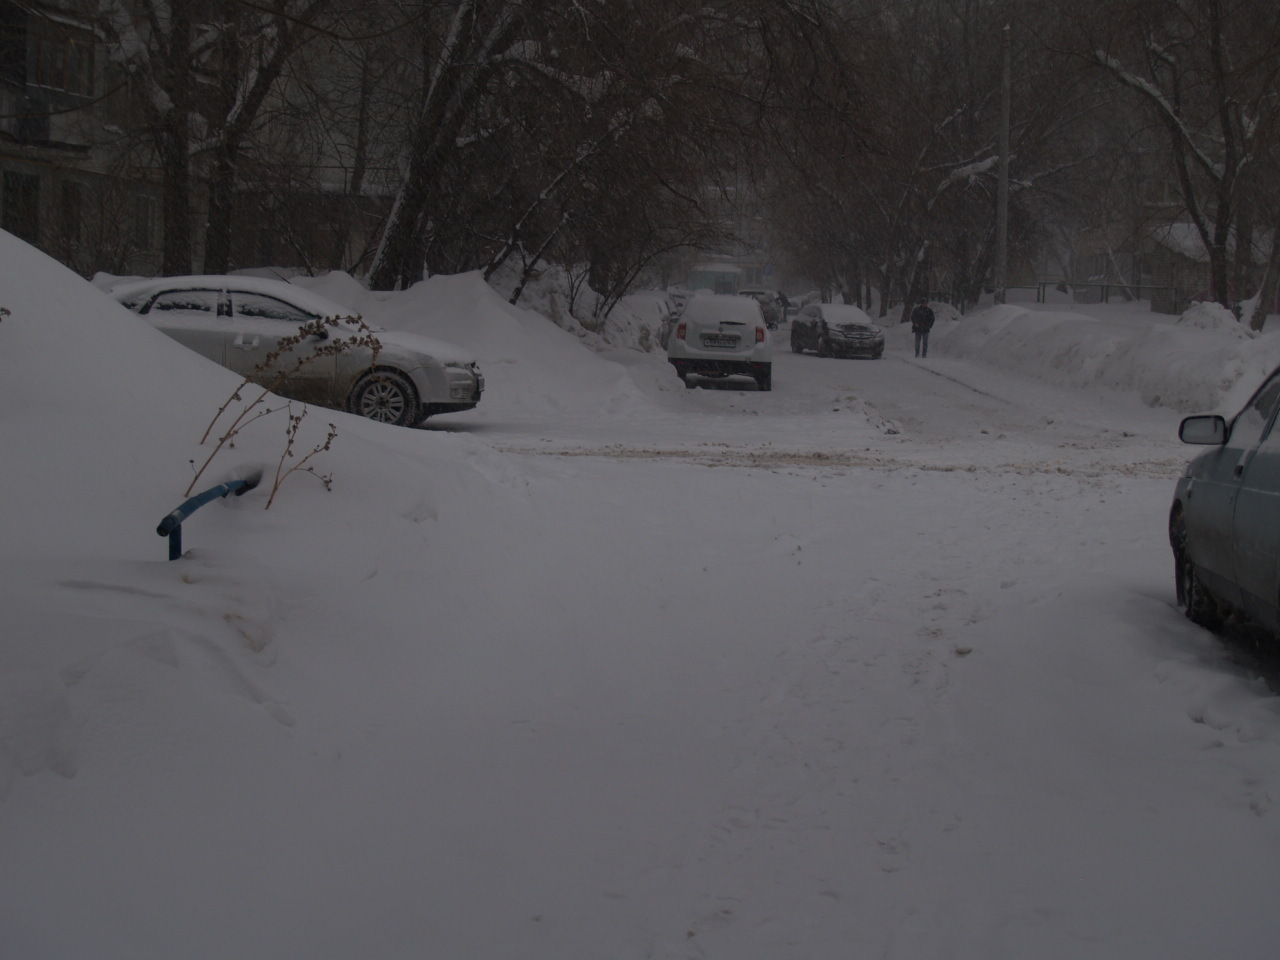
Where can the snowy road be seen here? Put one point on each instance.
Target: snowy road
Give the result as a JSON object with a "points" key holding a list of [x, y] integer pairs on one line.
{"points": [[897, 411], [882, 663]]}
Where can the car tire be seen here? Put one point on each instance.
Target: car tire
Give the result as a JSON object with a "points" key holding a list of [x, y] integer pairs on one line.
{"points": [[386, 396], [796, 345], [764, 381], [1197, 601], [824, 347]]}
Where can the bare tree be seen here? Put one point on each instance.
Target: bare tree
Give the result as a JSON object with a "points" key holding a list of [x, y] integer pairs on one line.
{"points": [[157, 44], [203, 71], [464, 45], [1206, 70], [252, 45]]}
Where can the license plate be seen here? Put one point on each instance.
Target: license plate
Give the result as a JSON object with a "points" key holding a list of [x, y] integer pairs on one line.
{"points": [[714, 340]]}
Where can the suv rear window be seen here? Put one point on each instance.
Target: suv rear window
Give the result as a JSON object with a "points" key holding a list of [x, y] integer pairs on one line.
{"points": [[715, 309]]}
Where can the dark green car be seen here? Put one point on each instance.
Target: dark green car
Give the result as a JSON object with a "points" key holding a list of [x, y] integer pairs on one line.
{"points": [[1224, 526]]}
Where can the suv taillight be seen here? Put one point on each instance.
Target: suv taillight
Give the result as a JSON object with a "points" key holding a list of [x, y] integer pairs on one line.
{"points": [[680, 330], [759, 334]]}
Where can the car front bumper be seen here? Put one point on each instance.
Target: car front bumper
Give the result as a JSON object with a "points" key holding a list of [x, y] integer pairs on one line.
{"points": [[857, 348]]}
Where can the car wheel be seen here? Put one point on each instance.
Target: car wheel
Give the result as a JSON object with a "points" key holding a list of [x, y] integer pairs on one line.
{"points": [[824, 347], [1198, 603], [796, 345], [386, 396], [765, 381]]}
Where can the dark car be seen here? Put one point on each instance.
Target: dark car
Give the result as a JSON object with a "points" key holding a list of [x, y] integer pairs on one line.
{"points": [[1224, 526], [836, 330]]}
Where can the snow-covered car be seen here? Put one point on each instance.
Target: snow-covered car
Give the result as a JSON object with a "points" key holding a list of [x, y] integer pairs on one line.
{"points": [[1225, 520], [836, 330], [719, 336], [656, 308], [240, 322]]}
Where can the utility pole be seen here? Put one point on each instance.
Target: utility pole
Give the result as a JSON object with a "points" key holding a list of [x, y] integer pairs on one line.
{"points": [[1002, 189]]}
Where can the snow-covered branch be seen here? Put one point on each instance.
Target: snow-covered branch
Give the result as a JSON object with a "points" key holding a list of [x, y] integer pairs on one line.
{"points": [[1167, 110]]}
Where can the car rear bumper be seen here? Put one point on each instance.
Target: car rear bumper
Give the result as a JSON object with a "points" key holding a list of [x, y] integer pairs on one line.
{"points": [[720, 368]]}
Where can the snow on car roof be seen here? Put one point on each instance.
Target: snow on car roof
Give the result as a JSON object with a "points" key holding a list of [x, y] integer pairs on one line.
{"points": [[298, 296]]}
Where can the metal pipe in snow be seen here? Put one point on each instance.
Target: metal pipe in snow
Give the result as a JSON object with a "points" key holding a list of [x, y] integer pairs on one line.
{"points": [[171, 525]]}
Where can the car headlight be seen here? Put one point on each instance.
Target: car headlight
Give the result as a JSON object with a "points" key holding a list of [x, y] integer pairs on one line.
{"points": [[464, 380]]}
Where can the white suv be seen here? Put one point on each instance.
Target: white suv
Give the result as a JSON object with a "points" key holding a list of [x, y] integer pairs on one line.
{"points": [[720, 336]]}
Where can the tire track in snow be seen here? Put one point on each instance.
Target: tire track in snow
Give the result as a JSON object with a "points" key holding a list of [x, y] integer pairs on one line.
{"points": [[1169, 467]]}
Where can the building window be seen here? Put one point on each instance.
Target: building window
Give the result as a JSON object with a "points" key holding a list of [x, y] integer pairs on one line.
{"points": [[13, 44], [64, 63], [21, 214]]}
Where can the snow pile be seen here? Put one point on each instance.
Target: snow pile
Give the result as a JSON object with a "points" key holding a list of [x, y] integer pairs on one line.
{"points": [[1198, 365], [529, 364], [1214, 316], [567, 300]]}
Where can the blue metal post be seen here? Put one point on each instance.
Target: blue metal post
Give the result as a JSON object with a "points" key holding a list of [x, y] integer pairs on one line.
{"points": [[171, 526]]}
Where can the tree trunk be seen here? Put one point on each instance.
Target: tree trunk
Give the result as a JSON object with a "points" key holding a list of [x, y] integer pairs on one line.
{"points": [[173, 143], [175, 197], [454, 85], [217, 244], [1270, 282]]}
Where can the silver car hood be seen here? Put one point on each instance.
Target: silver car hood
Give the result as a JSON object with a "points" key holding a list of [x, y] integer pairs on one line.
{"points": [[440, 350]]}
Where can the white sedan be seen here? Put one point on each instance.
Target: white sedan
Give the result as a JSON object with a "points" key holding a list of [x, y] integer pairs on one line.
{"points": [[240, 322]]}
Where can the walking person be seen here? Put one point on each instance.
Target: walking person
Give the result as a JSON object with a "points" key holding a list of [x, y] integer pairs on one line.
{"points": [[921, 324]]}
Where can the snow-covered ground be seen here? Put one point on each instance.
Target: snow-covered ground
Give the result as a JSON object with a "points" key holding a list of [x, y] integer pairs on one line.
{"points": [[883, 663]]}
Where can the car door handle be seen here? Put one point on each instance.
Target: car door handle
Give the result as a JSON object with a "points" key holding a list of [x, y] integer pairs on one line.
{"points": [[244, 344]]}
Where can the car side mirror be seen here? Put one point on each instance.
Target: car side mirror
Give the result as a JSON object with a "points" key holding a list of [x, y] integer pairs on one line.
{"points": [[1207, 430]]}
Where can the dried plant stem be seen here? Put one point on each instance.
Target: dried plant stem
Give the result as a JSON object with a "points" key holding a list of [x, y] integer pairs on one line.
{"points": [[268, 379], [295, 421]]}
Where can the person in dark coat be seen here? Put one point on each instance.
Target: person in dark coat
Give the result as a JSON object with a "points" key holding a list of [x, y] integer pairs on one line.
{"points": [[921, 324]]}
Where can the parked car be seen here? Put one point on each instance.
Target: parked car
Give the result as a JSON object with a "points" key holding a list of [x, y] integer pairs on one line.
{"points": [[656, 308], [679, 296], [1224, 526], [836, 330], [720, 336], [240, 321], [770, 305]]}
